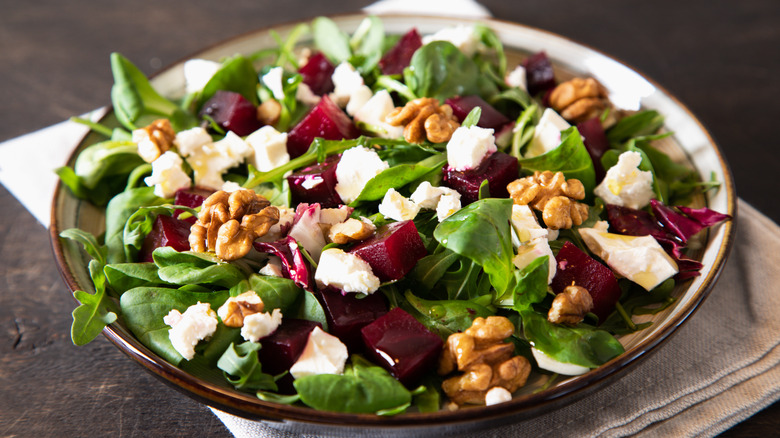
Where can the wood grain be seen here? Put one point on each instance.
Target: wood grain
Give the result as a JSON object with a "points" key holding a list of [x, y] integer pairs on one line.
{"points": [[720, 58]]}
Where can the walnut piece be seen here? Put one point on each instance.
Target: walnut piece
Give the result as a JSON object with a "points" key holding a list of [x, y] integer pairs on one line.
{"points": [[154, 139], [485, 360], [237, 308], [269, 111], [553, 195], [351, 230], [424, 118], [570, 306], [579, 99], [228, 223]]}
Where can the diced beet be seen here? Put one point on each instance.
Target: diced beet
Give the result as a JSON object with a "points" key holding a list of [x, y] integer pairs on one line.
{"points": [[166, 231], [576, 267], [232, 112], [539, 73], [325, 120], [283, 347], [592, 132], [499, 169], [402, 345], [393, 251], [316, 183], [490, 117], [193, 198], [347, 313], [294, 264], [317, 74], [398, 58]]}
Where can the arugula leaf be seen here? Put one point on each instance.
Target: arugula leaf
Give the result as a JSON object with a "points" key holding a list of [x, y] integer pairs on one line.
{"points": [[363, 388], [570, 157], [480, 231], [96, 310], [237, 75], [89, 241], [243, 369], [582, 345], [399, 176], [330, 40], [531, 284], [189, 267], [442, 71]]}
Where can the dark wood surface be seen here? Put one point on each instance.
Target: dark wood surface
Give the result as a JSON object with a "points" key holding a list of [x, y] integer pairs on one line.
{"points": [[719, 57]]}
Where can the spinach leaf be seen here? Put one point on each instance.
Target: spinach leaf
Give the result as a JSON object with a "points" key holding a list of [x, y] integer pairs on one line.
{"points": [[135, 101], [570, 157], [104, 159], [531, 284], [363, 388], [243, 369], [122, 277], [429, 400], [582, 345], [276, 293], [330, 40], [441, 71], [189, 267], [143, 309], [480, 231], [237, 75], [399, 176], [119, 210], [445, 317], [96, 310]]}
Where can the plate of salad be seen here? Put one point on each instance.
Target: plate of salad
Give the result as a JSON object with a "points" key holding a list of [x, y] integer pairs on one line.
{"points": [[400, 222]]}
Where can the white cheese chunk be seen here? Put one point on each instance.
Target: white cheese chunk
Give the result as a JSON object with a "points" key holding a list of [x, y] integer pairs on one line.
{"points": [[269, 148], [469, 146], [273, 80], [304, 94], [345, 271], [461, 36], [198, 72], [346, 81], [448, 204], [323, 354], [533, 249], [259, 325], [547, 134], [273, 268], [545, 362], [427, 196], [197, 323], [355, 168], [374, 112], [641, 259], [212, 160], [192, 140], [358, 99], [395, 206], [147, 147], [496, 395], [167, 175], [626, 185], [516, 78], [525, 226]]}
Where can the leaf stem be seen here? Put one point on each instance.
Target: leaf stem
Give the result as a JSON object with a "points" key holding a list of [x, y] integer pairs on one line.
{"points": [[626, 317]]}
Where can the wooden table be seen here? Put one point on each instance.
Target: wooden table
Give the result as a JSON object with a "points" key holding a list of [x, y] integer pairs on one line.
{"points": [[719, 57]]}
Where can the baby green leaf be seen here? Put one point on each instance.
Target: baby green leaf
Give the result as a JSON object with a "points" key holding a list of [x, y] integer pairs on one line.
{"points": [[89, 241], [331, 40], [531, 284], [237, 75], [243, 369], [399, 176], [189, 267], [445, 317], [96, 310]]}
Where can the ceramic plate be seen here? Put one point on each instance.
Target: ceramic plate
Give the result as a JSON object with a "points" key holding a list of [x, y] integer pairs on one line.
{"points": [[628, 89]]}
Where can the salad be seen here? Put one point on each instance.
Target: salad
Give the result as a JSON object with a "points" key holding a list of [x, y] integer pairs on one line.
{"points": [[381, 224]]}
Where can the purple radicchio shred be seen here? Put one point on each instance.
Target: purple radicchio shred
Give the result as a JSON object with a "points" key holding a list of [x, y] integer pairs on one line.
{"points": [[704, 215], [681, 226], [294, 264]]}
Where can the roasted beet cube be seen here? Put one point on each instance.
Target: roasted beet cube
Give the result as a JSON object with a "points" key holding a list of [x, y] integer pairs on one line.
{"points": [[166, 231], [193, 198], [592, 132], [393, 251], [232, 112], [397, 59], [316, 183], [539, 73], [282, 348], [490, 117], [576, 267], [402, 345], [347, 313], [325, 120], [499, 169], [317, 73]]}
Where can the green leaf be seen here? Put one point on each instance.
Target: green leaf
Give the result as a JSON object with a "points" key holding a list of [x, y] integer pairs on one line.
{"points": [[442, 71], [189, 267], [531, 284], [480, 231], [363, 388], [445, 317], [140, 224], [237, 75], [398, 176], [582, 345], [278, 398], [242, 368], [276, 293], [331, 40], [309, 308], [119, 210], [368, 42], [96, 310], [89, 241], [472, 118], [122, 277], [493, 43], [645, 122], [106, 159], [570, 157]]}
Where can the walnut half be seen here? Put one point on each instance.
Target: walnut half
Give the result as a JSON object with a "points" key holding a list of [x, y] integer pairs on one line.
{"points": [[553, 195], [228, 223], [424, 118], [578, 99], [570, 306]]}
